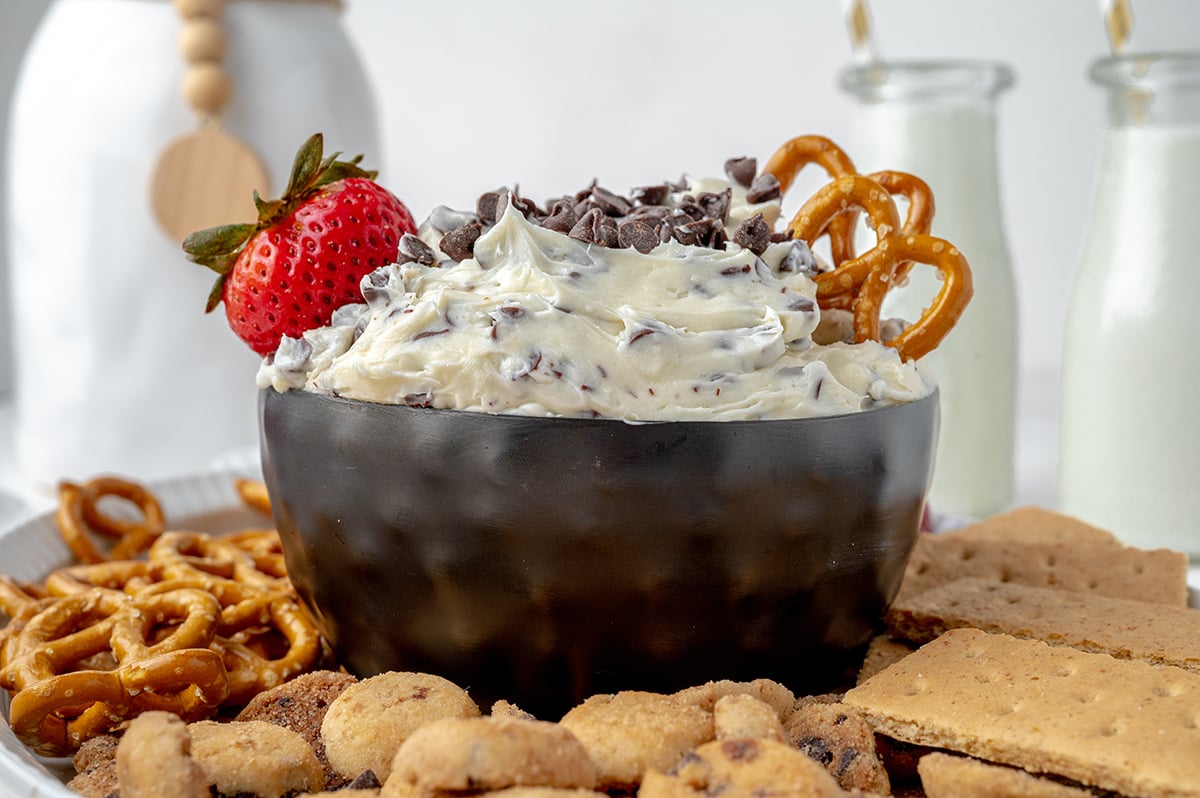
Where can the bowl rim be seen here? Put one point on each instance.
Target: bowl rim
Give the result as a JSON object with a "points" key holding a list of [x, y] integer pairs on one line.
{"points": [[579, 421]]}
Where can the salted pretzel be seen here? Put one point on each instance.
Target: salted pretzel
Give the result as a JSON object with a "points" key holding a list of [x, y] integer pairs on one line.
{"points": [[78, 514], [869, 276], [791, 158], [253, 494], [265, 651], [159, 649]]}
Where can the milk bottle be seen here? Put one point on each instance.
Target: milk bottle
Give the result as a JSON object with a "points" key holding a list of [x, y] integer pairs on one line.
{"points": [[1130, 447], [117, 366], [937, 120]]}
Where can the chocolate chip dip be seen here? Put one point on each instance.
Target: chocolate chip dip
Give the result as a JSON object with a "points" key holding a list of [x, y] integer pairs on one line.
{"points": [[677, 302]]}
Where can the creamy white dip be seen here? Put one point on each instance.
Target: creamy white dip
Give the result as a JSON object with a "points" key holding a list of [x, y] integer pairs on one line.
{"points": [[538, 323]]}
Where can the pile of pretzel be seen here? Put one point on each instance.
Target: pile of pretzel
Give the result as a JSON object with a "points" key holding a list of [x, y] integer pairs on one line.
{"points": [[198, 624], [859, 282]]}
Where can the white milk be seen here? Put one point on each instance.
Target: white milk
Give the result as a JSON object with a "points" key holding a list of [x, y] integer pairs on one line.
{"points": [[1130, 450], [952, 147]]}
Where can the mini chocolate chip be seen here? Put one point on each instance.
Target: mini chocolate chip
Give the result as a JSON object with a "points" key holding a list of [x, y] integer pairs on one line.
{"points": [[753, 234], [844, 762], [293, 354], [718, 238], [654, 212], [637, 234], [561, 218], [459, 243], [741, 170], [817, 749], [764, 188], [680, 185], [422, 399], [610, 203], [715, 205], [595, 228], [525, 206], [804, 305], [781, 236], [485, 207], [652, 195], [799, 258], [739, 750], [414, 250], [586, 193], [689, 206], [695, 233], [367, 780]]}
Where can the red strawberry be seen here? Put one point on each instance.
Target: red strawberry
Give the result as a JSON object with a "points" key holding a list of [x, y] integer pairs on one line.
{"points": [[308, 251]]}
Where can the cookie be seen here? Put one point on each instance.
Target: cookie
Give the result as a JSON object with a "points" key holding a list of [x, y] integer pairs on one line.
{"points": [[882, 651], [154, 759], [947, 776], [631, 732], [1158, 576], [95, 766], [746, 716], [253, 758], [840, 739], [1162, 635], [741, 768], [769, 692], [489, 753], [507, 709], [365, 725], [1120, 725], [300, 705]]}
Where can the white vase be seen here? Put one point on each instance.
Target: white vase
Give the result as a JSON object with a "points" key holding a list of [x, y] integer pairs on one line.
{"points": [[117, 367]]}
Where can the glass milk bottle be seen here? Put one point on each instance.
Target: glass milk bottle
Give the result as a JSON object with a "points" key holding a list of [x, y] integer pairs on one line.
{"points": [[118, 368], [937, 120], [1130, 448]]}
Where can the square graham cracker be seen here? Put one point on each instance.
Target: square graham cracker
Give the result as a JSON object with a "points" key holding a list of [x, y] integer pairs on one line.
{"points": [[949, 776], [1034, 525], [1157, 575], [1115, 724], [1161, 635]]}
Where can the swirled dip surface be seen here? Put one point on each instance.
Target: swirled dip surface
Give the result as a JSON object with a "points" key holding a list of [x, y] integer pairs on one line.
{"points": [[536, 322]]}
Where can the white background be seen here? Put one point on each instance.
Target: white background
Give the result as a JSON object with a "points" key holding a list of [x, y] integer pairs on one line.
{"points": [[548, 94]]}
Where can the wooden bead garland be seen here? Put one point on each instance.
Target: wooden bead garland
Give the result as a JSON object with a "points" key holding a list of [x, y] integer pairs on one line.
{"points": [[206, 177]]}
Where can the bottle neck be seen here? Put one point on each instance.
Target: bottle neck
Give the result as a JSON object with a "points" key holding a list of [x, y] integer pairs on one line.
{"points": [[1151, 90]]}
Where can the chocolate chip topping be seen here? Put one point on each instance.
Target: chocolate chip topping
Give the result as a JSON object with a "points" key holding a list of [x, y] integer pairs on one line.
{"points": [[741, 170], [649, 216], [459, 243], [637, 234], [414, 250], [561, 219], [485, 207], [753, 234], [799, 258], [367, 780], [764, 188], [595, 228]]}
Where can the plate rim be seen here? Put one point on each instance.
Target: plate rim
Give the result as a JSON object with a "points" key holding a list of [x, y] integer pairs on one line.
{"points": [[184, 498]]}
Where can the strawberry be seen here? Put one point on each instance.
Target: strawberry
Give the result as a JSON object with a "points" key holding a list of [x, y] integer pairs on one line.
{"points": [[308, 251]]}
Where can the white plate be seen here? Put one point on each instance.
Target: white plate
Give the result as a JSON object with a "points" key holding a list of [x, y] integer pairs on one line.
{"points": [[31, 549]]}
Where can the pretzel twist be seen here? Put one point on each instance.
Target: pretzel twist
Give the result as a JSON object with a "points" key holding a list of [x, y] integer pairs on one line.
{"points": [[791, 158], [78, 514], [65, 710]]}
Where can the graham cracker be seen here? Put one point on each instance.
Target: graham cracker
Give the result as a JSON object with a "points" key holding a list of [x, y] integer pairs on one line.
{"points": [[882, 651], [1162, 635], [1034, 525], [948, 776], [1120, 725], [1158, 575]]}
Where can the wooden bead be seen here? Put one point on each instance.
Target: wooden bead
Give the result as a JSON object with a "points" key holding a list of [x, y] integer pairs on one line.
{"points": [[207, 88], [199, 8], [202, 39]]}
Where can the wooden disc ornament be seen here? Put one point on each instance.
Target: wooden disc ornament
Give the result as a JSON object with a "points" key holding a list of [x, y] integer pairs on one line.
{"points": [[206, 177]]}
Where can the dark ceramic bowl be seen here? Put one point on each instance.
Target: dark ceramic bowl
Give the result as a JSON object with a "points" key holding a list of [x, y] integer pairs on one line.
{"points": [[543, 560]]}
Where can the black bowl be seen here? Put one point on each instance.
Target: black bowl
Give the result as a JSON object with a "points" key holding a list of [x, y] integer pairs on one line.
{"points": [[543, 560]]}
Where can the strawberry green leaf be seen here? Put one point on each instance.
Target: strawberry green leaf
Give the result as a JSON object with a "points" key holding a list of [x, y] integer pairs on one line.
{"points": [[307, 166], [217, 243], [214, 296]]}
